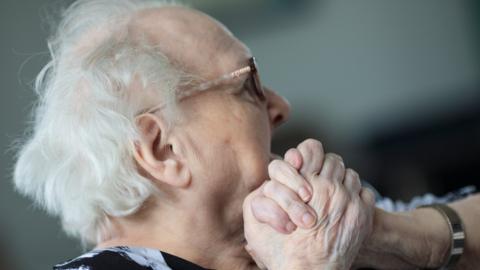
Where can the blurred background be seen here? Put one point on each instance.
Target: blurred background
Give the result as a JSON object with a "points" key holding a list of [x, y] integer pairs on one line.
{"points": [[392, 86]]}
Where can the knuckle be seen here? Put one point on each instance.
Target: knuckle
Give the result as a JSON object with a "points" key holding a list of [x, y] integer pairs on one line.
{"points": [[341, 164], [278, 217], [270, 188], [282, 197], [328, 160], [349, 174], [352, 173], [368, 196], [295, 208], [352, 180], [355, 208], [290, 152], [327, 163], [312, 145], [331, 157], [329, 186], [349, 182], [326, 175], [304, 149], [357, 183], [312, 142], [274, 166], [282, 172], [342, 194], [336, 156]]}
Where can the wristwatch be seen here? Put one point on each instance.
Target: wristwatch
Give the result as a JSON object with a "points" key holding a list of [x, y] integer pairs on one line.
{"points": [[457, 234]]}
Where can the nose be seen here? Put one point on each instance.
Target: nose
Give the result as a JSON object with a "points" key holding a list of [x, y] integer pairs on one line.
{"points": [[278, 108]]}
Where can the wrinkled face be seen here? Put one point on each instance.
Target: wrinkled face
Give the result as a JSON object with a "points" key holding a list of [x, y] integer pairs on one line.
{"points": [[225, 133], [229, 135]]}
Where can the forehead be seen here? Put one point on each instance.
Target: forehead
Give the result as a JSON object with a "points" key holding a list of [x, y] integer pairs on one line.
{"points": [[192, 40]]}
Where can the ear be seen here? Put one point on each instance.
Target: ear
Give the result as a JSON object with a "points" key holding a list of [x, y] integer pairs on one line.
{"points": [[156, 155]]}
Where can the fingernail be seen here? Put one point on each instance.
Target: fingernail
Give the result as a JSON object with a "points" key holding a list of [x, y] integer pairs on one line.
{"points": [[304, 194], [290, 226], [308, 219]]}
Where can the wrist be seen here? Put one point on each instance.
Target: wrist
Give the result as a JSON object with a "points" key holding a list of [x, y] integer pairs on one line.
{"points": [[437, 235], [418, 238], [384, 248]]}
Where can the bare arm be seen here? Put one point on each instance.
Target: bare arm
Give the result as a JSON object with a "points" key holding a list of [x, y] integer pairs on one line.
{"points": [[421, 238]]}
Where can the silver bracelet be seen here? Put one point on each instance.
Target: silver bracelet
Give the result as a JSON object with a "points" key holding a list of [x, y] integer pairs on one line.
{"points": [[457, 234]]}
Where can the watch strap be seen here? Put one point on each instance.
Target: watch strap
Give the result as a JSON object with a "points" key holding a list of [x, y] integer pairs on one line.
{"points": [[457, 234]]}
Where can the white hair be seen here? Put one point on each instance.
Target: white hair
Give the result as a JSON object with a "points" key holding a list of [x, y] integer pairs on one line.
{"points": [[78, 161]]}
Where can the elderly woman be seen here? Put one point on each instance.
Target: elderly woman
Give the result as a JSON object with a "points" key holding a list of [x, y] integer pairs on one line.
{"points": [[153, 129]]}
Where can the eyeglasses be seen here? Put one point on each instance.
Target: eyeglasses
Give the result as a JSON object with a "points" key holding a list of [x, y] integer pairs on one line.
{"points": [[254, 79]]}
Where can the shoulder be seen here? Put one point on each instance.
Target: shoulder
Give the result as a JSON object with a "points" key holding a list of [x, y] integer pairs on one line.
{"points": [[118, 258]]}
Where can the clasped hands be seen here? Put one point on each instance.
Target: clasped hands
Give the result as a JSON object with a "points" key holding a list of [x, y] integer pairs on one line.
{"points": [[312, 213]]}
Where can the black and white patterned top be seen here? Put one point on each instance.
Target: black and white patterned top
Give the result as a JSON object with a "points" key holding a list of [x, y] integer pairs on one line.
{"points": [[390, 205], [137, 258], [127, 258]]}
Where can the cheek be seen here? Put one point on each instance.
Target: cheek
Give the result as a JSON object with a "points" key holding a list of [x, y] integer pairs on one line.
{"points": [[217, 167], [253, 159], [232, 147], [254, 154], [236, 162]]}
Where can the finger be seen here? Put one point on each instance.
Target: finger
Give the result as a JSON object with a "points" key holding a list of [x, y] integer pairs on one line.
{"points": [[339, 173], [324, 189], [339, 203], [312, 155], [354, 229], [352, 182], [266, 210], [294, 158], [331, 177], [333, 168], [367, 196], [321, 199], [284, 173], [328, 167], [300, 213], [254, 256]]}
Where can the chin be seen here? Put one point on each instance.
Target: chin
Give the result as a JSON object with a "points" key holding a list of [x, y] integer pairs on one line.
{"points": [[260, 177], [257, 185], [258, 169]]}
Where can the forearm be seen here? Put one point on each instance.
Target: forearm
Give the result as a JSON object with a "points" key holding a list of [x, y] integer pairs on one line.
{"points": [[421, 238], [394, 243]]}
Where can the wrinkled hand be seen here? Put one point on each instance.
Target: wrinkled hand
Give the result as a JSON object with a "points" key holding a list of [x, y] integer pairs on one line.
{"points": [[342, 213]]}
